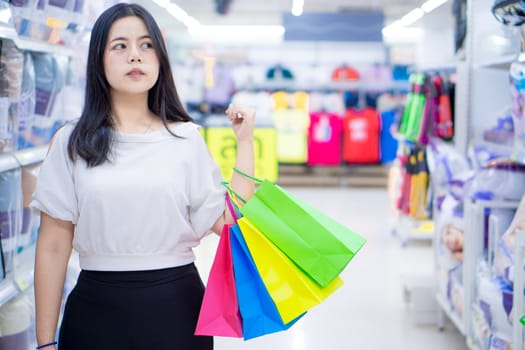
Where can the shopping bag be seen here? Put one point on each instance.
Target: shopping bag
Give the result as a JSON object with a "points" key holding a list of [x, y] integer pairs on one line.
{"points": [[319, 245], [292, 291], [258, 311], [219, 314]]}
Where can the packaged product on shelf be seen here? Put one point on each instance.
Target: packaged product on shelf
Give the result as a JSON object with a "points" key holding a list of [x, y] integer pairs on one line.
{"points": [[500, 179], [499, 220], [29, 19], [11, 67], [413, 122], [26, 104], [10, 213], [49, 80], [502, 132], [494, 297], [455, 291], [481, 333], [504, 263], [27, 235]]}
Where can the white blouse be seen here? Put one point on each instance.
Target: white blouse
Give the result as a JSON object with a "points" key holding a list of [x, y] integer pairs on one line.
{"points": [[145, 209]]}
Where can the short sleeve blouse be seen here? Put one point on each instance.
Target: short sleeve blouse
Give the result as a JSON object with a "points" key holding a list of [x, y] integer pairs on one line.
{"points": [[146, 208]]}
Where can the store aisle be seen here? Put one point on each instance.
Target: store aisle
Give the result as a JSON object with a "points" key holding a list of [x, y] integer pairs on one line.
{"points": [[368, 312]]}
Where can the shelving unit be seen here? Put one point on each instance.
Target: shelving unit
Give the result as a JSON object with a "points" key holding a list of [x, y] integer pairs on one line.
{"points": [[473, 252], [20, 278], [293, 85]]}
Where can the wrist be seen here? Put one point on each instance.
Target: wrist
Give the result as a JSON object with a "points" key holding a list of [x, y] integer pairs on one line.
{"points": [[245, 140], [47, 345]]}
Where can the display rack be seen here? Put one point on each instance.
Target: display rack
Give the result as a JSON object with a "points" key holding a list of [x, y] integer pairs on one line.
{"points": [[20, 278], [473, 253], [292, 85]]}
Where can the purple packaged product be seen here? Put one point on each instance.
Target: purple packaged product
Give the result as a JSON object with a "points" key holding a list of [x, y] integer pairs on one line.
{"points": [[19, 3], [498, 344], [58, 3], [79, 6]]}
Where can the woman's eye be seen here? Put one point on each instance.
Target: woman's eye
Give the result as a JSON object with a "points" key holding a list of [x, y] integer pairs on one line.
{"points": [[147, 45], [119, 46]]}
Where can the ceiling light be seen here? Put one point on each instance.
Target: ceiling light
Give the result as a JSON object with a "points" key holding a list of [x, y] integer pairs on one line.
{"points": [[412, 16], [297, 7], [237, 31], [431, 5], [182, 15], [162, 3]]}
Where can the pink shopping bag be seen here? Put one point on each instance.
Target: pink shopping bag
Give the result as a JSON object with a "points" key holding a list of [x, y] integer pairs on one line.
{"points": [[219, 314]]}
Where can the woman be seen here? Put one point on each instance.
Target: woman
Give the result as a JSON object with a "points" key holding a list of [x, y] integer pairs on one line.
{"points": [[132, 187]]}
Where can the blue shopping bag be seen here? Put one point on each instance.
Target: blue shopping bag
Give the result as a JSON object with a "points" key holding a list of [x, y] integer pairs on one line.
{"points": [[258, 311]]}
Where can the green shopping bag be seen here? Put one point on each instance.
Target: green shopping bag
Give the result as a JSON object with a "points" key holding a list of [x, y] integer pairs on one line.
{"points": [[316, 243]]}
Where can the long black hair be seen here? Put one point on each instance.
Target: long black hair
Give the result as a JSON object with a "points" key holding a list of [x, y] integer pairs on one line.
{"points": [[93, 134]]}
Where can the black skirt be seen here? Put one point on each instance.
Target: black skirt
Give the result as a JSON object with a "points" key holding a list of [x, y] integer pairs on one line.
{"points": [[134, 310]]}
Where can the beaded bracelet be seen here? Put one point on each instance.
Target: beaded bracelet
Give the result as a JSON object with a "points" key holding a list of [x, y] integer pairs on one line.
{"points": [[46, 345]]}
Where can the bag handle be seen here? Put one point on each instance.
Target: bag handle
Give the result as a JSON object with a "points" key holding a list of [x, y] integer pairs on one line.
{"points": [[234, 211], [232, 192], [248, 176], [234, 195]]}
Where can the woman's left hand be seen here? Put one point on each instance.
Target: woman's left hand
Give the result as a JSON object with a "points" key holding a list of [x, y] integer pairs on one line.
{"points": [[242, 119]]}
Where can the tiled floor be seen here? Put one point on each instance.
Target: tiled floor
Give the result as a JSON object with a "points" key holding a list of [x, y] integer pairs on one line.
{"points": [[369, 311]]}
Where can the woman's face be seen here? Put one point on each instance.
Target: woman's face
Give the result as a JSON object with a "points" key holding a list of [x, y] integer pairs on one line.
{"points": [[131, 65]]}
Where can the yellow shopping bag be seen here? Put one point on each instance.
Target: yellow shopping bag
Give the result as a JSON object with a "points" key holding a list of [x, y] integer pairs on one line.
{"points": [[292, 291]]}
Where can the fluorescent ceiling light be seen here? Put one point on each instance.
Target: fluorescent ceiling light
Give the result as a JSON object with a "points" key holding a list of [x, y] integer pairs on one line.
{"points": [[162, 3], [178, 13], [431, 5], [297, 7], [237, 31], [412, 16]]}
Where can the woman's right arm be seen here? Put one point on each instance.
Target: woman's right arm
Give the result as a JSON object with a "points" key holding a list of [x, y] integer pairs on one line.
{"points": [[53, 250]]}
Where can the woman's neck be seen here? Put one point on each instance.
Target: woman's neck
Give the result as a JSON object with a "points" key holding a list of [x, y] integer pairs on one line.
{"points": [[131, 114]]}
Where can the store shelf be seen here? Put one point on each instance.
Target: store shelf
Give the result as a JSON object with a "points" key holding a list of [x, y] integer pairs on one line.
{"points": [[31, 155], [502, 62], [332, 86], [8, 162], [21, 279], [454, 318], [42, 46], [410, 229], [8, 290], [343, 175], [23, 43], [26, 157]]}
